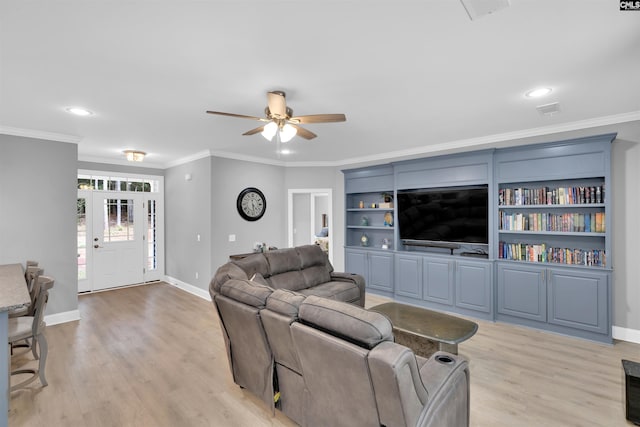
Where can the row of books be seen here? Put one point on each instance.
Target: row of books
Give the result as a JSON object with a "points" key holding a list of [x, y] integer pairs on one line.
{"points": [[542, 253], [551, 196], [565, 222]]}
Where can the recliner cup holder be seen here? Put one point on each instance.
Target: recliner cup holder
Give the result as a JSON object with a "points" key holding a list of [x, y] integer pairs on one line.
{"points": [[444, 359]]}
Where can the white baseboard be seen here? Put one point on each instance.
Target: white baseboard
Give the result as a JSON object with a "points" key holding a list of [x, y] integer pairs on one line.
{"points": [[188, 288], [64, 317], [626, 334]]}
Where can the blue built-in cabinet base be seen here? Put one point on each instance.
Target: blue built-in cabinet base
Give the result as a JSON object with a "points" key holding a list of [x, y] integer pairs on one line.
{"points": [[547, 261]]}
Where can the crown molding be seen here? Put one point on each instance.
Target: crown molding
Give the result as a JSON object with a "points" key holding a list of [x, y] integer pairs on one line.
{"points": [[496, 138], [192, 158], [246, 158], [37, 134]]}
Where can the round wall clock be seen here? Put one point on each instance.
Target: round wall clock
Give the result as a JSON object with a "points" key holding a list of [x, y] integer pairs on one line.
{"points": [[251, 204]]}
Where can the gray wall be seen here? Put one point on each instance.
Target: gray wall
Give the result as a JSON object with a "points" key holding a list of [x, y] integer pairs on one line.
{"points": [[626, 233], [228, 178], [38, 195], [188, 214]]}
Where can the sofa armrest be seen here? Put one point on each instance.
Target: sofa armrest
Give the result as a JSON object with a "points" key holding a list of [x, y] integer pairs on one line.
{"points": [[400, 395], [446, 378], [353, 278]]}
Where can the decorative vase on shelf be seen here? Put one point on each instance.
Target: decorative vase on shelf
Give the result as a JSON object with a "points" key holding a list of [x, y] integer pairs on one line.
{"points": [[364, 240], [364, 221]]}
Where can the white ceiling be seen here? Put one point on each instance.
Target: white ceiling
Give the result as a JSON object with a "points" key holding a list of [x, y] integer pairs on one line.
{"points": [[412, 77]]}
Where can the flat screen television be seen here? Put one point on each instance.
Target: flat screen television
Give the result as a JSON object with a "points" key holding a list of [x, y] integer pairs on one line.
{"points": [[444, 215]]}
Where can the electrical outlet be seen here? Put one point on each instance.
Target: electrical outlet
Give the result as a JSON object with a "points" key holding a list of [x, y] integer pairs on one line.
{"points": [[197, 275], [198, 237], [232, 237]]}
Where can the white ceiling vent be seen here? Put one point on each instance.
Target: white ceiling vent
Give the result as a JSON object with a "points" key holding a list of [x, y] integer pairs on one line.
{"points": [[548, 109], [479, 8]]}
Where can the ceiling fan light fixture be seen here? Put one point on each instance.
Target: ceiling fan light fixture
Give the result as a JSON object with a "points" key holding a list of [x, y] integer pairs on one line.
{"points": [[134, 155], [538, 92], [287, 132], [269, 130], [79, 111]]}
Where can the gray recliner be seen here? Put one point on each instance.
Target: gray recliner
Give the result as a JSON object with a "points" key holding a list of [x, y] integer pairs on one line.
{"points": [[280, 313], [239, 303], [355, 375]]}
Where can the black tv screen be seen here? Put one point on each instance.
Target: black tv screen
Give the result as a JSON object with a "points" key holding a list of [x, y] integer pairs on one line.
{"points": [[452, 214]]}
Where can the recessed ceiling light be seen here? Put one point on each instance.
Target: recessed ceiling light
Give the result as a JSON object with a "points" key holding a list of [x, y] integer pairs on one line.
{"points": [[537, 93], [285, 151], [78, 111]]}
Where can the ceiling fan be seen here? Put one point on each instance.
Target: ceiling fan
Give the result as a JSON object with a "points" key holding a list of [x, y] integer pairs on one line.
{"points": [[280, 120]]}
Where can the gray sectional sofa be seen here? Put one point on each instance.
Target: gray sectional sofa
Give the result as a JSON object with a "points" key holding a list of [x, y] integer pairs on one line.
{"points": [[326, 362], [305, 269]]}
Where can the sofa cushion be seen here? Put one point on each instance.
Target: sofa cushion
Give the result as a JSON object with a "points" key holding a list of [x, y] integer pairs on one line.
{"points": [[224, 273], [259, 279], [285, 302], [311, 255], [349, 322], [316, 268], [341, 291], [315, 275], [252, 264], [282, 260], [247, 292], [292, 280]]}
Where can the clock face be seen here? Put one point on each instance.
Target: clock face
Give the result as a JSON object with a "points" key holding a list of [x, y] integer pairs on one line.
{"points": [[251, 204]]}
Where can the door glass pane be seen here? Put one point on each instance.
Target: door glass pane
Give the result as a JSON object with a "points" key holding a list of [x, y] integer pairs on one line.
{"points": [[118, 220], [152, 261], [82, 238]]}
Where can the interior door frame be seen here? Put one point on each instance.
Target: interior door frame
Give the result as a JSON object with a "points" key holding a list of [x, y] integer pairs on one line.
{"points": [[312, 192]]}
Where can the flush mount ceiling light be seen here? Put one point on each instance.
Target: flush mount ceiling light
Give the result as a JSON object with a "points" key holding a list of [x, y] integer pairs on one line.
{"points": [[538, 92], [79, 111], [134, 155]]}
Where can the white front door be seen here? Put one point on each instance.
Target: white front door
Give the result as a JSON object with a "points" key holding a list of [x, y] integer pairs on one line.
{"points": [[117, 245]]}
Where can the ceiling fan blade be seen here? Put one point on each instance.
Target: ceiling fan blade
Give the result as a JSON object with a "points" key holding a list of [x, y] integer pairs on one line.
{"points": [[319, 118], [277, 104], [240, 116], [254, 131], [302, 132]]}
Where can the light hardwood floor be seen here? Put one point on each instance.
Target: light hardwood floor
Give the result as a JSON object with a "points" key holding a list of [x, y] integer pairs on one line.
{"points": [[154, 356]]}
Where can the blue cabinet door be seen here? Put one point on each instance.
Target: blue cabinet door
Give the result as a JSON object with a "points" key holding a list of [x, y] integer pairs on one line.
{"points": [[381, 271], [408, 273], [474, 282], [356, 262], [437, 280], [579, 299], [522, 291]]}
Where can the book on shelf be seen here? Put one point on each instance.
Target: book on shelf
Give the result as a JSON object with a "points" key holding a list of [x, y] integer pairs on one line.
{"points": [[544, 254], [564, 222], [551, 196]]}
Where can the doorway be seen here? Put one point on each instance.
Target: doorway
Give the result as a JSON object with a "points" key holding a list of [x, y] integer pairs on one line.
{"points": [[310, 218], [120, 231]]}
